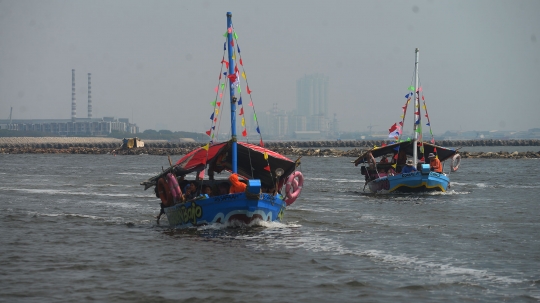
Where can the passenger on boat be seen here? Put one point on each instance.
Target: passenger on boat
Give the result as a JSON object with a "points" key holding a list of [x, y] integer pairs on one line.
{"points": [[223, 188], [190, 191], [236, 185], [408, 168], [402, 157], [207, 189], [434, 163], [371, 161]]}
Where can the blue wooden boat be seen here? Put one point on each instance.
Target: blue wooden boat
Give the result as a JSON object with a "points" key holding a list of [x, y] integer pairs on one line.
{"points": [[387, 176], [260, 168]]}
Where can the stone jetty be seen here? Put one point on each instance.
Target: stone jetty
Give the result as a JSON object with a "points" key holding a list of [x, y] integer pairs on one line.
{"points": [[83, 145]]}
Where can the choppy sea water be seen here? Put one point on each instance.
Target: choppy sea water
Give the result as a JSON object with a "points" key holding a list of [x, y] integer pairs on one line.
{"points": [[81, 228]]}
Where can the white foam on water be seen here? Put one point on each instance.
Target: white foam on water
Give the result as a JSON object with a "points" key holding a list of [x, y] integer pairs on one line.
{"points": [[138, 174], [76, 193]]}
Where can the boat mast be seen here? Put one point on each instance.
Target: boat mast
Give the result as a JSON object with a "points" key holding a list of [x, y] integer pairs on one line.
{"points": [[416, 107], [230, 49]]}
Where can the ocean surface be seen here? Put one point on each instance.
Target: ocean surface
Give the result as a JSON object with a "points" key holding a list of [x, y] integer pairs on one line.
{"points": [[80, 228]]}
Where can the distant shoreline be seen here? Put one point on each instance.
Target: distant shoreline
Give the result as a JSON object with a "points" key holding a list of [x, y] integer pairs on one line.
{"points": [[83, 145]]}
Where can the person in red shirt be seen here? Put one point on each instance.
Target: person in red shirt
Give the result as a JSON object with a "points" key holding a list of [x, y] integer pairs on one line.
{"points": [[434, 163]]}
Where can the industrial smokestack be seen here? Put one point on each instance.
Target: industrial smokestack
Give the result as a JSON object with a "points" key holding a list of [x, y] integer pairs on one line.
{"points": [[73, 102], [89, 95]]}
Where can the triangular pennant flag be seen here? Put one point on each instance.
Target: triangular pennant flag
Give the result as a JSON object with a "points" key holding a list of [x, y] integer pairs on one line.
{"points": [[432, 141], [392, 128], [408, 139], [394, 165], [244, 75], [215, 119], [234, 56], [419, 89], [411, 88], [434, 149], [239, 89], [222, 85], [258, 131], [238, 46], [250, 103], [417, 121], [217, 111], [212, 116], [428, 124], [423, 98], [383, 145], [417, 113], [226, 63], [213, 103], [225, 35], [267, 168], [236, 69], [255, 117], [422, 149], [214, 127], [212, 136], [220, 96], [216, 89], [235, 36], [241, 111], [229, 30], [422, 159], [241, 62], [240, 101], [395, 156], [206, 146], [219, 104], [225, 73], [243, 121], [265, 156], [201, 174], [232, 42], [248, 91], [244, 133], [261, 143], [208, 132], [406, 96]]}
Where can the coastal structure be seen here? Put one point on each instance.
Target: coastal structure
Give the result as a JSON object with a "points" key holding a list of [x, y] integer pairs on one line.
{"points": [[74, 126]]}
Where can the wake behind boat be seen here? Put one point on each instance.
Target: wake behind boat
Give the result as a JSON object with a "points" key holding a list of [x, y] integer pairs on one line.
{"points": [[408, 171], [253, 191]]}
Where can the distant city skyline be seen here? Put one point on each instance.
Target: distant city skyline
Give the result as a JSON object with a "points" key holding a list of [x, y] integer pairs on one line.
{"points": [[158, 62]]}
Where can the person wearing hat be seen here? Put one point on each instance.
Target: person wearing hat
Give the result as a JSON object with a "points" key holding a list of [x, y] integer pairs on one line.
{"points": [[434, 163], [408, 168]]}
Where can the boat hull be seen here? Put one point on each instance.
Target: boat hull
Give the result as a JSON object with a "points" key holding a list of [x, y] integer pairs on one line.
{"points": [[229, 208], [410, 183]]}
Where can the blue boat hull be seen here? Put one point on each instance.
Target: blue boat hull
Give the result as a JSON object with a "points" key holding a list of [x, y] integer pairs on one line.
{"points": [[225, 209], [410, 183]]}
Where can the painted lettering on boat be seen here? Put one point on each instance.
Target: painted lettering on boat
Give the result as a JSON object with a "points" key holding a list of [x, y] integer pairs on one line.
{"points": [[184, 215], [412, 174], [432, 173], [224, 198]]}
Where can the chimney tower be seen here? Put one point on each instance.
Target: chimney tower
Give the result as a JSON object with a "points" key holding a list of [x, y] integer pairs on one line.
{"points": [[89, 95], [73, 102]]}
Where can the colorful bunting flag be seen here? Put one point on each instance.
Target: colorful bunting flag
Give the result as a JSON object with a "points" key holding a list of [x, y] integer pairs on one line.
{"points": [[219, 104], [235, 36], [212, 116], [208, 132], [265, 156], [243, 121], [248, 91], [267, 168], [244, 133], [240, 101], [213, 103], [244, 75], [411, 88], [229, 30], [226, 63], [222, 86], [239, 89], [261, 143], [258, 130], [241, 63], [241, 111], [250, 103], [206, 146], [238, 46], [255, 117]]}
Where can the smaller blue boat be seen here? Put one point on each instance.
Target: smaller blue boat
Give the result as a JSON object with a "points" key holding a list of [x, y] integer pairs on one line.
{"points": [[408, 171], [262, 183]]}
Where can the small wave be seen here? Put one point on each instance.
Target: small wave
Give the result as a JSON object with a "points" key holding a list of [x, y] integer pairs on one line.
{"points": [[138, 174]]}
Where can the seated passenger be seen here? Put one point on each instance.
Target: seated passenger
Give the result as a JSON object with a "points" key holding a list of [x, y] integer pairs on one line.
{"points": [[236, 185], [223, 188], [408, 168], [434, 163], [190, 191], [207, 189]]}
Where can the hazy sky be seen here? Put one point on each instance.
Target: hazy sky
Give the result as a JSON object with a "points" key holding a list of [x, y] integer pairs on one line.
{"points": [[158, 61]]}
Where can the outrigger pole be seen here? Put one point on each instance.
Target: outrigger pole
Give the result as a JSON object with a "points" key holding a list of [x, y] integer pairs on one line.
{"points": [[230, 49], [416, 95]]}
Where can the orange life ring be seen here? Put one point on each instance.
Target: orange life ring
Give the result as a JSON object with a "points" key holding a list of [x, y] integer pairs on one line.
{"points": [[456, 160], [164, 192], [293, 187]]}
